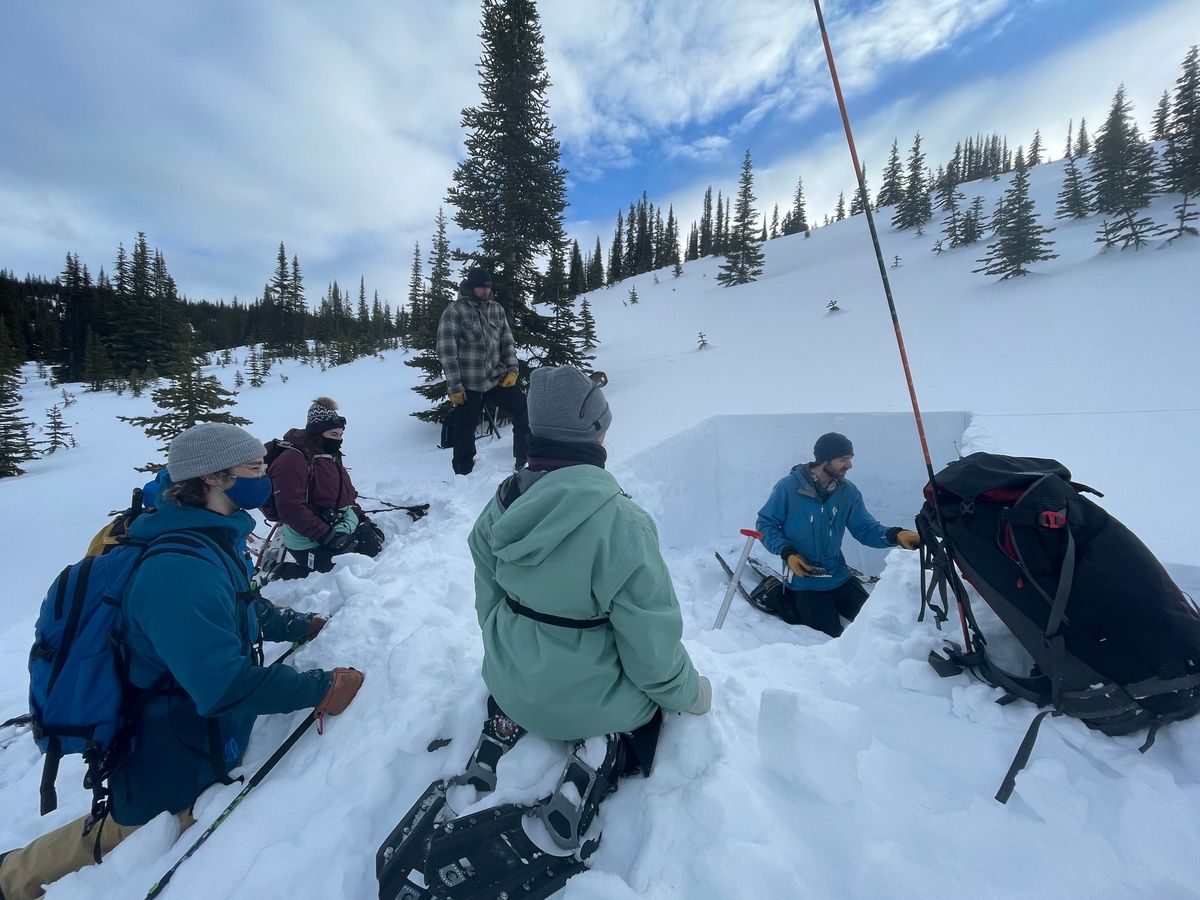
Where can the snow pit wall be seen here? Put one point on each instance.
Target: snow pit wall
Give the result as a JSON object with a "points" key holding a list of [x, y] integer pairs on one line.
{"points": [[706, 483]]}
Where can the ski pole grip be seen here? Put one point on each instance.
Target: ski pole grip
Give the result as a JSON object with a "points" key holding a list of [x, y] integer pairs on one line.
{"points": [[750, 533]]}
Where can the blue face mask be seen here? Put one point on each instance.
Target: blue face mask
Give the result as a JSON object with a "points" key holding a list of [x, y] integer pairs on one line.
{"points": [[249, 493]]}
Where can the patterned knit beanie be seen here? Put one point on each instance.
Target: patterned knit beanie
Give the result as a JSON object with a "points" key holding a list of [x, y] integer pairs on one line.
{"points": [[322, 416]]}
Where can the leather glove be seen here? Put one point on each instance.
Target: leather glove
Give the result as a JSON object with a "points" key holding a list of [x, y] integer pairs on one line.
{"points": [[509, 379], [458, 398], [909, 540], [798, 565], [315, 624], [339, 541], [703, 702], [346, 683]]}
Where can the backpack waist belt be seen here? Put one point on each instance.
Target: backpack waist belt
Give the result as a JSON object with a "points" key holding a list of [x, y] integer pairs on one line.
{"points": [[547, 619]]}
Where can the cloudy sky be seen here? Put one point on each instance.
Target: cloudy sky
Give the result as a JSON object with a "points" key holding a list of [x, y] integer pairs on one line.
{"points": [[221, 127]]}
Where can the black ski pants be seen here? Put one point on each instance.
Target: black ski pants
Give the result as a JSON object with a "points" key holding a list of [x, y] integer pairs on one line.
{"points": [[466, 416], [823, 610]]}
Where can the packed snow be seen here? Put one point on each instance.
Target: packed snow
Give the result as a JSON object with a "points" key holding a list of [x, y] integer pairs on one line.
{"points": [[826, 768]]}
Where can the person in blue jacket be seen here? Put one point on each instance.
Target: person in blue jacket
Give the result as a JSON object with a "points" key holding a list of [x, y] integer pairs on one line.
{"points": [[191, 627], [804, 521]]}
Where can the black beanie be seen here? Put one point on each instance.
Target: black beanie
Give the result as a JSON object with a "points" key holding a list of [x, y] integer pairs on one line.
{"points": [[831, 446], [478, 277]]}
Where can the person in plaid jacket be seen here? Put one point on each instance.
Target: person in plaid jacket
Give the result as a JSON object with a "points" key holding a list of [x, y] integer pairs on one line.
{"points": [[479, 361]]}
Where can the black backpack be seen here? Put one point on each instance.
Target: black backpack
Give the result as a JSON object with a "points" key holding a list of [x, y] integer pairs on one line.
{"points": [[1115, 642]]}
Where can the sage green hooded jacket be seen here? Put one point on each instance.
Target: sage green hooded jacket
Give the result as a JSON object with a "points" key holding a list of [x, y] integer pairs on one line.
{"points": [[575, 546]]}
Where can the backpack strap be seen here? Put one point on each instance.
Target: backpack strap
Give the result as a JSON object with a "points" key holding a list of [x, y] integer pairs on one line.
{"points": [[547, 619]]}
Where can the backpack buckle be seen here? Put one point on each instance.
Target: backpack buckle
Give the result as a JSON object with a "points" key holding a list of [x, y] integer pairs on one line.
{"points": [[1052, 518]]}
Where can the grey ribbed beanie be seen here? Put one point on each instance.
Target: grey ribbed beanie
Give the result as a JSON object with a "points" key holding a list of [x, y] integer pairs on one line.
{"points": [[209, 447], [566, 405]]}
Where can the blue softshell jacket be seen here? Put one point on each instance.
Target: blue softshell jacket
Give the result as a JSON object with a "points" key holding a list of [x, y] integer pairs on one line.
{"points": [[198, 622], [795, 515]]}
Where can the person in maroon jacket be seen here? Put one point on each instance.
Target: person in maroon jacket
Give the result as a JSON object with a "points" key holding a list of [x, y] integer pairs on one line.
{"points": [[315, 499]]}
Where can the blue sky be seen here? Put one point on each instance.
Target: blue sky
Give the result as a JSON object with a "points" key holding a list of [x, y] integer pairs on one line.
{"points": [[220, 128]]}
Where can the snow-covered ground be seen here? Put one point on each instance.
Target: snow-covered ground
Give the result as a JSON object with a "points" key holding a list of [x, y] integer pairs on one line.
{"points": [[826, 768]]}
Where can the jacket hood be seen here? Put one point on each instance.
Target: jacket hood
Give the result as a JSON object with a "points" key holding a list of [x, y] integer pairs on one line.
{"points": [[553, 508], [173, 517]]}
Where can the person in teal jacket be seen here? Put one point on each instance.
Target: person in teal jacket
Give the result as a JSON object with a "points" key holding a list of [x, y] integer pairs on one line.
{"points": [[804, 521], [191, 629]]}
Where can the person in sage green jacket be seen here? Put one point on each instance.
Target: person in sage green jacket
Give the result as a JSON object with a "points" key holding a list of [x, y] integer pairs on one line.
{"points": [[581, 627]]}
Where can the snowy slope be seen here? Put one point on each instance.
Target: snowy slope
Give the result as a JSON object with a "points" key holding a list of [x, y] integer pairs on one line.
{"points": [[826, 768]]}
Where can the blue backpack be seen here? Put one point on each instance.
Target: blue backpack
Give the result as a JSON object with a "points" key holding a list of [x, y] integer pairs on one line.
{"points": [[80, 695]]}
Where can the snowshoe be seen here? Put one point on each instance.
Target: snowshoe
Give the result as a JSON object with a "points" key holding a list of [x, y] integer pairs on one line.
{"points": [[570, 809], [406, 848], [488, 854], [499, 735]]}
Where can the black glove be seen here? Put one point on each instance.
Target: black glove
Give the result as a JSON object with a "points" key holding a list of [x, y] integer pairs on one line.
{"points": [[339, 541]]}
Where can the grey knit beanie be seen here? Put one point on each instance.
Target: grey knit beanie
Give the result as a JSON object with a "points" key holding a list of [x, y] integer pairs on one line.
{"points": [[210, 447], [566, 405]]}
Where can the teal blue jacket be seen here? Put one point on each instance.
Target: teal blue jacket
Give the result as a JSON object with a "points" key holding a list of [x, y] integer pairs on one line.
{"points": [[814, 525], [198, 622], [574, 545]]}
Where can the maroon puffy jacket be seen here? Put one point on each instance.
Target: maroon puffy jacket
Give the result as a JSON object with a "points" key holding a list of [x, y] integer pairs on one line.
{"points": [[307, 481]]}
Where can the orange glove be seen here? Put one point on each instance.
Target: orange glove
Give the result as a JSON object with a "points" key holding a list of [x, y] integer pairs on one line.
{"points": [[346, 683], [909, 540], [458, 398], [509, 379], [799, 565]]}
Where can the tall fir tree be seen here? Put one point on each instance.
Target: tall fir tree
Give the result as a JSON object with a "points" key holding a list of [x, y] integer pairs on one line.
{"points": [[1162, 117], [1069, 149], [1074, 201], [775, 222], [839, 211], [511, 189], [15, 442], [706, 224], [862, 195], [1121, 176], [595, 271], [1020, 238], [576, 276], [616, 270], [719, 227], [1181, 166], [744, 255], [587, 326], [915, 207], [1034, 156], [1083, 143], [796, 220], [891, 189]]}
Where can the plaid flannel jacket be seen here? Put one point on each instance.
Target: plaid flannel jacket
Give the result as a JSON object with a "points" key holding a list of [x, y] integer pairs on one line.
{"points": [[474, 344]]}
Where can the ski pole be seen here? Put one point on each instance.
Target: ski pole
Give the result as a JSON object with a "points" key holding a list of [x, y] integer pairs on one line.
{"points": [[258, 776], [751, 537], [887, 290]]}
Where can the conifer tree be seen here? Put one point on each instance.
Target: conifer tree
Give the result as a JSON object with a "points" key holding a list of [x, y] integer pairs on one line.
{"points": [[15, 445], [1083, 144], [796, 220], [1162, 117], [1121, 175], [58, 433], [97, 368], [915, 207], [743, 256], [891, 189], [1073, 199], [1069, 150], [576, 279], [1020, 239], [693, 245], [1034, 156], [616, 271], [587, 326], [719, 227], [862, 195], [1182, 158], [840, 210], [595, 269], [189, 397], [706, 224], [629, 260], [775, 222], [511, 188]]}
